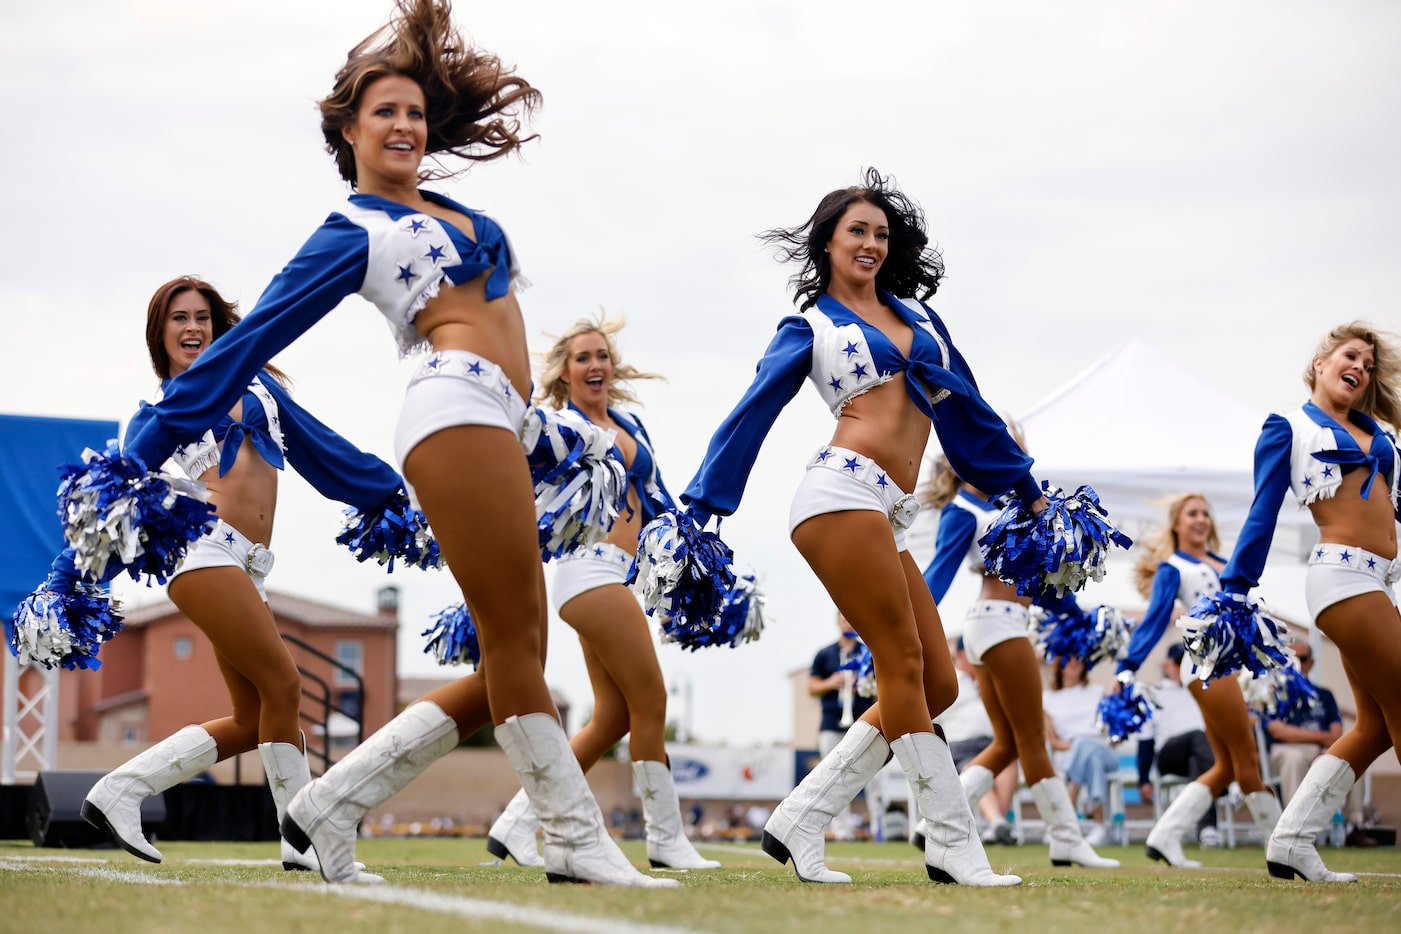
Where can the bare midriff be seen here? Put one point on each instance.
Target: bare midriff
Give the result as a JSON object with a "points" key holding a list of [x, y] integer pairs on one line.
{"points": [[1347, 519], [885, 425], [461, 318], [246, 496]]}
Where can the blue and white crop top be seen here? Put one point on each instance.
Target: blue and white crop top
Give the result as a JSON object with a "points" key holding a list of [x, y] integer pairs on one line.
{"points": [[283, 433], [1307, 452], [963, 520], [644, 477], [394, 256], [974, 438], [1180, 579]]}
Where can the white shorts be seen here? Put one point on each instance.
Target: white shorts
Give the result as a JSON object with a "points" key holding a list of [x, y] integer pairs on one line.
{"points": [[1337, 572], [585, 569], [226, 547], [851, 481], [992, 622], [452, 388]]}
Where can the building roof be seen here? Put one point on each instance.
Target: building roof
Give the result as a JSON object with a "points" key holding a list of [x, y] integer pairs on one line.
{"points": [[309, 613]]}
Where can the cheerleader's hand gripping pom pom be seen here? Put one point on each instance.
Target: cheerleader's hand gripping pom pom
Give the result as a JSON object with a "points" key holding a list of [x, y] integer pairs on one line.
{"points": [[1057, 551], [580, 488], [394, 530], [863, 664], [1225, 633], [1095, 636], [683, 575], [1279, 693], [1124, 712], [452, 638], [63, 628], [118, 516]]}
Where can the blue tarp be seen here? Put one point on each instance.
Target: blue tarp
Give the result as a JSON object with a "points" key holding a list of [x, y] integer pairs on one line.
{"points": [[32, 450]]}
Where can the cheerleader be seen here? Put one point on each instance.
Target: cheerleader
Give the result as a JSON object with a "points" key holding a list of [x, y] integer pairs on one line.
{"points": [[444, 276], [1179, 566], [584, 372], [996, 639], [1338, 458]]}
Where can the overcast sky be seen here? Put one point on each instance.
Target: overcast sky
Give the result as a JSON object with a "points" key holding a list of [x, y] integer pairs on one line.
{"points": [[1217, 178]]}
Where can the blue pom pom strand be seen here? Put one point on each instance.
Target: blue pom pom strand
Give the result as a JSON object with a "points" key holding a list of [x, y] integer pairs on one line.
{"points": [[1101, 634], [684, 576], [1225, 633], [1057, 551], [1123, 713], [452, 638], [1279, 693], [63, 629], [118, 516], [392, 531], [863, 665], [580, 488], [741, 620]]}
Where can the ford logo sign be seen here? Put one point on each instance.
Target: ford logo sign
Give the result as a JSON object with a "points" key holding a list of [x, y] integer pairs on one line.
{"points": [[688, 770]]}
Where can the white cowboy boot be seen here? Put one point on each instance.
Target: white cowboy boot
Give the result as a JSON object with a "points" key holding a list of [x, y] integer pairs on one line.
{"points": [[326, 813], [578, 847], [288, 773], [1291, 851], [976, 781], [796, 830], [114, 803], [513, 833], [667, 846], [952, 850], [1165, 839], [1067, 845], [1264, 808]]}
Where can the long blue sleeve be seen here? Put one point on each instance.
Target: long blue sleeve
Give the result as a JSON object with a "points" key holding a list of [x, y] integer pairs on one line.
{"points": [[975, 438], [329, 266], [336, 468], [1167, 581], [1272, 453], [719, 484], [951, 546]]}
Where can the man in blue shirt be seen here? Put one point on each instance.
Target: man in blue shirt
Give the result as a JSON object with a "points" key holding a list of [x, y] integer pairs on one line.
{"points": [[835, 690]]}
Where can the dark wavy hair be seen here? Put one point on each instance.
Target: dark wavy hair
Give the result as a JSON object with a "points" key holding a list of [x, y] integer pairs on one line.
{"points": [[471, 99], [912, 268], [223, 315]]}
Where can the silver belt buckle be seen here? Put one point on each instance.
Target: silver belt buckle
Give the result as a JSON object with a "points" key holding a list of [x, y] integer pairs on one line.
{"points": [[902, 514], [259, 560]]}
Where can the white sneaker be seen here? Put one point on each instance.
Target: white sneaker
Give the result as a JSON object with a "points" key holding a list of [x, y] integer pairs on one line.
{"points": [[1097, 835], [1209, 838]]}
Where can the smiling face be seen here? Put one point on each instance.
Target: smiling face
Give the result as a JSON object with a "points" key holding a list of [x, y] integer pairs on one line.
{"points": [[389, 134], [1194, 527], [1342, 376], [189, 329], [589, 370], [858, 246]]}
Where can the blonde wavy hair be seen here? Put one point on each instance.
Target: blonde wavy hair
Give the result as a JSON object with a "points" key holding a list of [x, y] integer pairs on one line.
{"points": [[1159, 545], [1382, 397], [944, 483], [554, 390]]}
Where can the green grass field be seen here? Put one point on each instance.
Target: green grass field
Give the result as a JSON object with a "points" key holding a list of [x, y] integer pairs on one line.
{"points": [[451, 885]]}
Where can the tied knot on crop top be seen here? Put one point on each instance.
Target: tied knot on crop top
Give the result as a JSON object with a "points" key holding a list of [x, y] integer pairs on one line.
{"points": [[260, 423]]}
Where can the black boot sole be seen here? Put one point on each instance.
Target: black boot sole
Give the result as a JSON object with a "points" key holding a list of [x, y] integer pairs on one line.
{"points": [[1062, 862], [496, 848], [918, 841], [295, 867], [93, 815], [1154, 853], [557, 877], [1284, 871], [294, 835], [775, 848], [939, 876]]}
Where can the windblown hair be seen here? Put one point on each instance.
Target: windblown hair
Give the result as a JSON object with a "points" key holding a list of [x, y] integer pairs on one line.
{"points": [[1382, 397], [912, 268], [555, 390], [1159, 545], [944, 483], [223, 315], [471, 99]]}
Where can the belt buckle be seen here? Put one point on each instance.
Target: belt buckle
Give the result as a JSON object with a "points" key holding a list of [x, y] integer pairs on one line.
{"points": [[902, 514], [259, 560]]}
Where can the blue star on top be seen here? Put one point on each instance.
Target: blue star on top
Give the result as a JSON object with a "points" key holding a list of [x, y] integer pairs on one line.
{"points": [[1371, 563], [229, 537], [851, 349], [1328, 471], [836, 384], [1320, 553], [881, 481], [436, 254], [475, 368], [851, 463], [406, 274], [1345, 556], [435, 362], [859, 372], [823, 454], [417, 226], [1308, 481]]}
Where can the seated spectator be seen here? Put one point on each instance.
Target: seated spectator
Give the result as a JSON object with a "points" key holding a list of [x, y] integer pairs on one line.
{"points": [[1295, 741], [1078, 747], [1177, 734]]}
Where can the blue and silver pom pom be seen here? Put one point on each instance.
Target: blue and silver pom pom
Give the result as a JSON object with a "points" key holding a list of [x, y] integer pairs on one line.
{"points": [[1279, 693], [863, 665], [392, 531], [118, 516], [580, 488], [1057, 551], [1225, 633], [63, 629], [683, 574], [741, 620], [1124, 712], [1101, 634], [452, 638]]}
